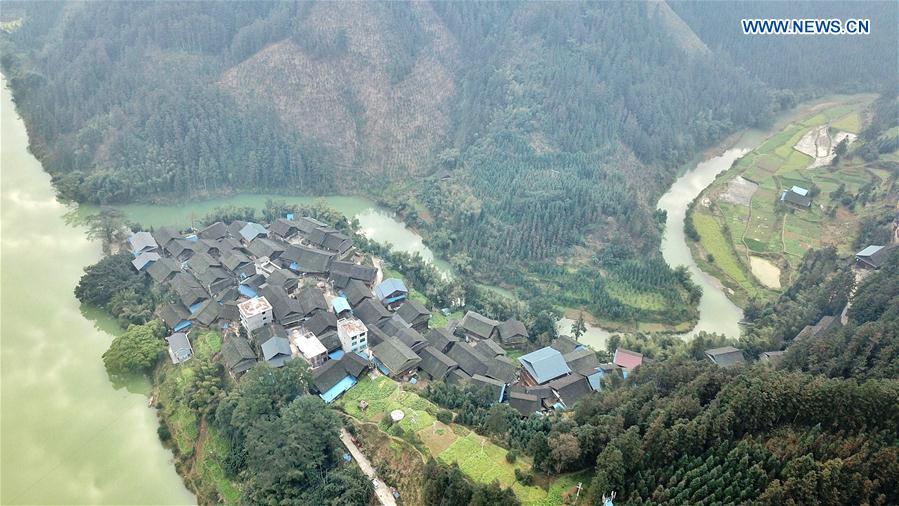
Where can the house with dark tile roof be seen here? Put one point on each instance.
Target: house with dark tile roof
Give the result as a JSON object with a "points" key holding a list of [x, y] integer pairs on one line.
{"points": [[526, 404], [458, 377], [441, 338], [489, 348], [284, 228], [265, 247], [478, 326], [321, 322], [726, 356], [512, 333], [208, 313], [371, 312], [565, 344], [469, 359], [306, 261], [582, 361], [436, 364], [394, 359], [238, 355], [356, 291], [176, 317], [286, 311], [495, 387], [415, 314], [165, 235], [872, 257], [824, 326], [570, 389], [502, 368], [214, 232], [251, 231], [276, 351], [283, 278], [412, 339], [311, 300], [163, 270], [188, 290]]}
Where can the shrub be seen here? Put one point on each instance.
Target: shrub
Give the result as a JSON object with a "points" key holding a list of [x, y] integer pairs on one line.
{"points": [[163, 432], [511, 457], [445, 416]]}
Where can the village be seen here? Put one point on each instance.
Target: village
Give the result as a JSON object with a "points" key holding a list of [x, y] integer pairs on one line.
{"points": [[298, 289]]}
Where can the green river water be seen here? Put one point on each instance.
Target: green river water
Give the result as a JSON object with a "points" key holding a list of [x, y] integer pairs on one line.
{"points": [[68, 437]]}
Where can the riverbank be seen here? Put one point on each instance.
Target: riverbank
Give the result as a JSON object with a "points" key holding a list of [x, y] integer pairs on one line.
{"points": [[750, 241]]}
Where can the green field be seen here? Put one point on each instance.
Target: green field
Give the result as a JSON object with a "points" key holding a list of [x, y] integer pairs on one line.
{"points": [[480, 459], [779, 231]]}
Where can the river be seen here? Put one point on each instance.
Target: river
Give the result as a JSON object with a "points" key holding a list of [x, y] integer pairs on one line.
{"points": [[68, 436]]}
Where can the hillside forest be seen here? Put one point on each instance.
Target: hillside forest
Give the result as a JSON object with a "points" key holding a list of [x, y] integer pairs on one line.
{"points": [[528, 142]]}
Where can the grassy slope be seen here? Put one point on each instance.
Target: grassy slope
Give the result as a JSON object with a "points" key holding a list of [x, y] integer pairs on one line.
{"points": [[731, 232], [198, 447], [480, 459]]}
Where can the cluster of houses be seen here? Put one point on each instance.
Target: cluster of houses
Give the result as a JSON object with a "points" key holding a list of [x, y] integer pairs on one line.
{"points": [[299, 290]]}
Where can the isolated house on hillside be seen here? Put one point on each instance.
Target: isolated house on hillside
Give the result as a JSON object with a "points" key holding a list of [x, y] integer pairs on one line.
{"points": [[872, 257], [726, 356], [180, 349], [478, 326], [512, 333], [797, 196], [826, 324], [542, 366], [415, 314], [771, 357], [627, 360]]}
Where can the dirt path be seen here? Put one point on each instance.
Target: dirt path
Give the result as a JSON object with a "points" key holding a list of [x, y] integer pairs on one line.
{"points": [[385, 497]]}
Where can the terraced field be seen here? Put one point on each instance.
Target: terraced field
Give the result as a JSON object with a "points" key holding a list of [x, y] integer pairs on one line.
{"points": [[478, 458], [736, 221]]}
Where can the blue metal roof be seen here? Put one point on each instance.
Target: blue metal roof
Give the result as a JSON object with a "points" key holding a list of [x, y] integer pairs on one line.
{"points": [[544, 364], [334, 392], [340, 305], [336, 355], [388, 286], [595, 379], [183, 324], [246, 291]]}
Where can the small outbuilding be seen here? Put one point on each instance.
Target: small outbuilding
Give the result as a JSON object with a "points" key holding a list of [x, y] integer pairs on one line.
{"points": [[180, 349], [726, 356]]}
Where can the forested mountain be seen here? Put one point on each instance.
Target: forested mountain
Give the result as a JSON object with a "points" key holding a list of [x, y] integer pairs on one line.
{"points": [[529, 141]]}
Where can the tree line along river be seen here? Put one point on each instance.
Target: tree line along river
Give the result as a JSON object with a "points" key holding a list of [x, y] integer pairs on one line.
{"points": [[68, 435]]}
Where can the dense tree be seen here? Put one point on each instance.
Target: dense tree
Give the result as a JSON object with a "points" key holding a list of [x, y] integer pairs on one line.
{"points": [[135, 351], [114, 285]]}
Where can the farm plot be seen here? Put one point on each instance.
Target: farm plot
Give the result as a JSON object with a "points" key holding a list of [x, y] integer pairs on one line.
{"points": [[478, 458]]}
